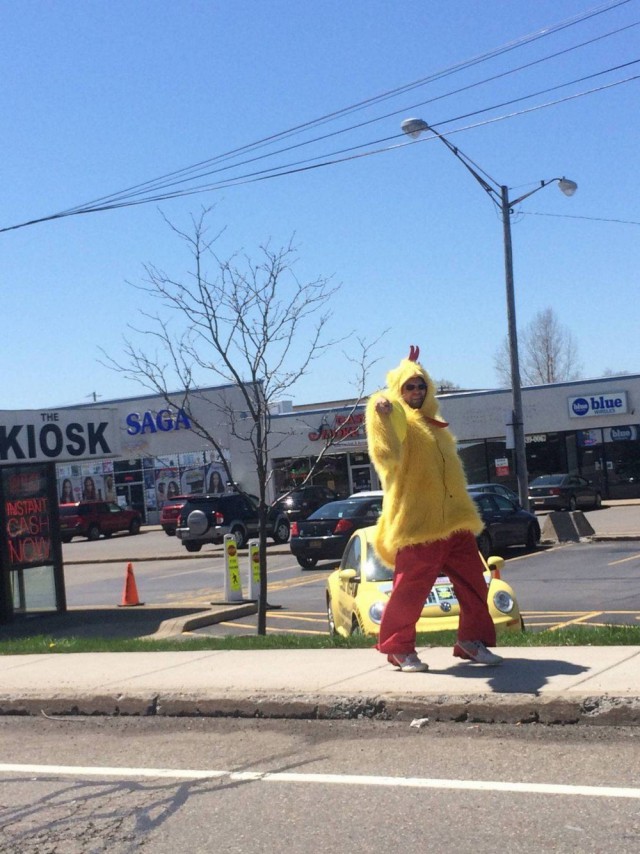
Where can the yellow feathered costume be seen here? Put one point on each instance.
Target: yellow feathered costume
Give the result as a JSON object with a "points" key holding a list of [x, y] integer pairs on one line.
{"points": [[425, 496]]}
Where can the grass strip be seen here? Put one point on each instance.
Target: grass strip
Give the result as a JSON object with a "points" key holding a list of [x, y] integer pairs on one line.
{"points": [[584, 635]]}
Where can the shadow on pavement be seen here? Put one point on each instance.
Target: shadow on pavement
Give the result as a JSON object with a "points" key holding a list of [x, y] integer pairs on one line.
{"points": [[520, 675]]}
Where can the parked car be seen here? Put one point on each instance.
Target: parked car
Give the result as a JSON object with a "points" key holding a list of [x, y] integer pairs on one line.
{"points": [[91, 519], [505, 524], [357, 592], [302, 502], [563, 492], [324, 535], [170, 513], [495, 489], [207, 518]]}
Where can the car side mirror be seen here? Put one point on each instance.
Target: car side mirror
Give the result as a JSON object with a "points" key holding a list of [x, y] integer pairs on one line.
{"points": [[348, 575]]}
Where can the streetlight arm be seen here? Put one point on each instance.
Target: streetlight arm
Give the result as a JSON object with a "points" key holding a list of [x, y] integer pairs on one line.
{"points": [[567, 187]]}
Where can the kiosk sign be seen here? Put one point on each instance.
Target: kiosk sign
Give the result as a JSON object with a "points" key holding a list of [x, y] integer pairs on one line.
{"points": [[590, 405], [32, 436]]}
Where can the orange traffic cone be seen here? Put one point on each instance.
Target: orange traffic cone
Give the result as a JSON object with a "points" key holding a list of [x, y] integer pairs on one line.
{"points": [[130, 591]]}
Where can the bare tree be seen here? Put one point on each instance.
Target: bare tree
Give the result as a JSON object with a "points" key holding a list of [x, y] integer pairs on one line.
{"points": [[547, 349], [252, 324]]}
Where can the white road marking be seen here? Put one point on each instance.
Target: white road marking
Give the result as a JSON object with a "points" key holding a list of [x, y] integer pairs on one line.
{"points": [[324, 779]]}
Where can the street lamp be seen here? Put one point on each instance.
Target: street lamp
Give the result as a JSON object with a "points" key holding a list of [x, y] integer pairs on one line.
{"points": [[500, 196]]}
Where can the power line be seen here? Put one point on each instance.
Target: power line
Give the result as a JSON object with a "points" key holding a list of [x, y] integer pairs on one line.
{"points": [[139, 194], [158, 183]]}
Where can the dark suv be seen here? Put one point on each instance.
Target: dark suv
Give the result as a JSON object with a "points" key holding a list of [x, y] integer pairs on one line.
{"points": [[302, 502], [207, 518], [90, 519]]}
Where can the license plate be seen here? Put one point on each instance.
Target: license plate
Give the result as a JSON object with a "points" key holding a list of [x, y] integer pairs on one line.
{"points": [[315, 544], [444, 592]]}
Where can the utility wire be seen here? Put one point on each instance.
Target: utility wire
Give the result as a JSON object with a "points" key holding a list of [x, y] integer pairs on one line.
{"points": [[155, 184], [284, 171], [160, 185]]}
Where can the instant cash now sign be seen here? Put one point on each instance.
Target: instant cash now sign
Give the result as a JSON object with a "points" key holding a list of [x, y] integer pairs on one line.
{"points": [[32, 436]]}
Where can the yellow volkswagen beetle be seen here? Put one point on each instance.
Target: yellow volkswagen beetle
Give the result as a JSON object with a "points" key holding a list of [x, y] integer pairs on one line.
{"points": [[358, 590]]}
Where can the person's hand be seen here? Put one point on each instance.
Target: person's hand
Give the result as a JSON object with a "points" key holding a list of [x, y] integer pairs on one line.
{"points": [[383, 406]]}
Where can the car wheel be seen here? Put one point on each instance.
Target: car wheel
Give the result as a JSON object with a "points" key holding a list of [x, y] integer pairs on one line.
{"points": [[573, 504], [356, 628], [134, 527], [170, 532], [193, 547], [66, 539], [93, 533], [533, 536], [307, 562], [597, 504], [281, 532], [522, 625], [107, 534], [330, 620], [484, 544], [241, 537]]}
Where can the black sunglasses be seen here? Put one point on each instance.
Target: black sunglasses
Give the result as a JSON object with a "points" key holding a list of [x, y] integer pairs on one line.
{"points": [[413, 386]]}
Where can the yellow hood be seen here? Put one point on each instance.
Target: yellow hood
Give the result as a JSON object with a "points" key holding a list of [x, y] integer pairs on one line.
{"points": [[407, 369]]}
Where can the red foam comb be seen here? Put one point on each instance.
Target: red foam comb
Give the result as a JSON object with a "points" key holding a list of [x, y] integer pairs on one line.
{"points": [[414, 352]]}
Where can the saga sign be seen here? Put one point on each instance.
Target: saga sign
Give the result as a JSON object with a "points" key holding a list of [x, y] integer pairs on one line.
{"points": [[590, 405], [56, 436], [162, 421]]}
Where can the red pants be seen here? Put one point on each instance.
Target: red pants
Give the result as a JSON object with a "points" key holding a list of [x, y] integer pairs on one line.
{"points": [[416, 570]]}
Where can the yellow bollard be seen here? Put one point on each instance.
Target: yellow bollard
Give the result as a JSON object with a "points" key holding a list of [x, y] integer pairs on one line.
{"points": [[254, 570], [232, 583]]}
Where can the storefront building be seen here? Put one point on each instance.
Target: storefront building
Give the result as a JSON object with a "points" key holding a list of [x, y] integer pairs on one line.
{"points": [[149, 451], [153, 453], [589, 427]]}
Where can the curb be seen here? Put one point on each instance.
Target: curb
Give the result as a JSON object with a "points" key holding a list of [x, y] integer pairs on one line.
{"points": [[225, 611], [487, 709]]}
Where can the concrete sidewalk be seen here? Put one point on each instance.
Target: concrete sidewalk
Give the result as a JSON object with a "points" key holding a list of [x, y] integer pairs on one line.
{"points": [[595, 685]]}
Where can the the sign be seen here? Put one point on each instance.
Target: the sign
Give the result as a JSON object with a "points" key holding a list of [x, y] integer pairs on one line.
{"points": [[27, 514], [58, 435], [502, 466], [590, 405], [588, 438], [622, 434], [163, 421], [344, 427]]}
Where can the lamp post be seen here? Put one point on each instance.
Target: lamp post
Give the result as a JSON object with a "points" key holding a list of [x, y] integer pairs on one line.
{"points": [[500, 196]]}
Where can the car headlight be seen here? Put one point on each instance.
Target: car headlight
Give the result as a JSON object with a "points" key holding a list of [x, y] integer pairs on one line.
{"points": [[375, 612], [503, 601]]}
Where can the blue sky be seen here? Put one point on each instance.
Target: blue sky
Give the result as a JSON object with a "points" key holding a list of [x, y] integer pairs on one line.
{"points": [[101, 96]]}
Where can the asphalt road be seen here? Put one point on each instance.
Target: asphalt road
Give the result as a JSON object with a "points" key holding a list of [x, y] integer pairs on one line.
{"points": [[572, 583], [83, 785]]}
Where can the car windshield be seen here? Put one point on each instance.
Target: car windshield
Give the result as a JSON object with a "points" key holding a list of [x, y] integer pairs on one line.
{"points": [[375, 570], [548, 480]]}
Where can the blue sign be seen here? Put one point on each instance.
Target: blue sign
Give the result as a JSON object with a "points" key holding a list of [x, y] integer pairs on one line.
{"points": [[612, 403]]}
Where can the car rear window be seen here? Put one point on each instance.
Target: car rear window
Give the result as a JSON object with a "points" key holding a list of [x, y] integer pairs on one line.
{"points": [[548, 480], [68, 510], [338, 509]]}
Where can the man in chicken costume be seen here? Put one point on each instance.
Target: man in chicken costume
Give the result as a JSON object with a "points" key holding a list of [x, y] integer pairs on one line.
{"points": [[429, 523]]}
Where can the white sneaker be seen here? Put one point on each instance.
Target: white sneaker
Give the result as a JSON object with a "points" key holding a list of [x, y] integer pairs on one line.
{"points": [[476, 651], [409, 663]]}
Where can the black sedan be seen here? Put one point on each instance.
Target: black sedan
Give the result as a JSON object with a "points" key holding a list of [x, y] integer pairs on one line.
{"points": [[324, 534], [505, 524], [563, 492]]}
